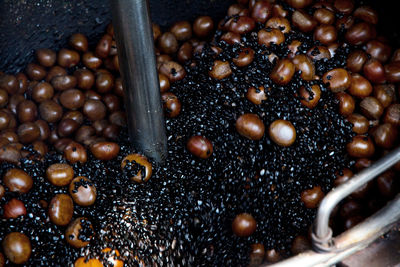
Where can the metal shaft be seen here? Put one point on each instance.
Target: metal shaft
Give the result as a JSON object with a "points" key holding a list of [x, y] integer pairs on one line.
{"points": [[351, 241], [323, 233], [133, 35]]}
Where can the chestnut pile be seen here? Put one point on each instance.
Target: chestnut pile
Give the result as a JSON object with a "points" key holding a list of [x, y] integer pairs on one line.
{"points": [[266, 111]]}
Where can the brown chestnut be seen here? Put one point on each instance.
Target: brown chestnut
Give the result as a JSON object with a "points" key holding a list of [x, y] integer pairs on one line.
{"points": [[282, 133], [310, 98], [361, 147], [250, 126], [283, 72], [220, 70], [244, 225], [338, 79], [17, 180], [200, 146], [61, 209], [256, 95], [14, 208], [142, 164], [75, 152], [312, 197], [83, 191], [79, 232], [17, 247], [105, 150], [171, 104]]}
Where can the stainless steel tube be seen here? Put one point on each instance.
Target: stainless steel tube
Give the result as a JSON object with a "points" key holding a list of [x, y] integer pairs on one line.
{"points": [[133, 34], [351, 241], [323, 233]]}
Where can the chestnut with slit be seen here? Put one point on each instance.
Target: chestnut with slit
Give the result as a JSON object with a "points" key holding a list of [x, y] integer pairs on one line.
{"points": [[310, 97], [79, 232], [139, 163], [173, 70], [337, 79], [256, 95], [270, 36], [244, 58], [305, 66], [82, 191], [279, 23], [283, 72], [75, 152]]}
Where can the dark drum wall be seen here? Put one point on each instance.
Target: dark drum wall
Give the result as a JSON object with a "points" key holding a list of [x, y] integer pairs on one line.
{"points": [[26, 25]]}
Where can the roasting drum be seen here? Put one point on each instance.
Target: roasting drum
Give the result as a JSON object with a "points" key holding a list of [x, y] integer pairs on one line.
{"points": [[28, 25]]}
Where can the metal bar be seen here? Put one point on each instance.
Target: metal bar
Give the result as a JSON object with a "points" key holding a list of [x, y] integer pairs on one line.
{"points": [[351, 241], [322, 233], [133, 35]]}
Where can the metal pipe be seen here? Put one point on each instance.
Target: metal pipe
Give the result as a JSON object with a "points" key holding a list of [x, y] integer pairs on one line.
{"points": [[351, 241], [322, 232], [134, 38]]}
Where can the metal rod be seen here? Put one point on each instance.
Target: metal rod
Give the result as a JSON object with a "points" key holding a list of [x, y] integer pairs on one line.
{"points": [[322, 233], [351, 241], [133, 35]]}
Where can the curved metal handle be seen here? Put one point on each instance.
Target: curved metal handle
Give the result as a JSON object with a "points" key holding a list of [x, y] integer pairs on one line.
{"points": [[322, 236], [351, 241]]}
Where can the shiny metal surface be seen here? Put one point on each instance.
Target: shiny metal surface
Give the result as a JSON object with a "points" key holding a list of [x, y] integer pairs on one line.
{"points": [[353, 240], [384, 252], [133, 34], [322, 237]]}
